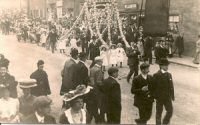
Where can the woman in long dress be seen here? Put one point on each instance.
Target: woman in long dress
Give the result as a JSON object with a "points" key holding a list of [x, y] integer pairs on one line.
{"points": [[104, 56], [113, 55], [120, 54]]}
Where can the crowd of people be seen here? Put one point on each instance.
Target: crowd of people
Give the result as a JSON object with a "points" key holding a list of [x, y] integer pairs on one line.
{"points": [[87, 94]]}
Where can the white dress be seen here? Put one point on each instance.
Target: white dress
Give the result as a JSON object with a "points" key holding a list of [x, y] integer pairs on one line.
{"points": [[43, 38], [120, 54], [73, 43], [104, 56], [8, 110], [62, 44], [113, 57]]}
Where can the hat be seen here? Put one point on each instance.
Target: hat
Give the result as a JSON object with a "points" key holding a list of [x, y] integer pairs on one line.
{"points": [[112, 70], [113, 45], [78, 92], [103, 46], [119, 44], [40, 62], [27, 83], [98, 58], [41, 101], [163, 61], [144, 66]]}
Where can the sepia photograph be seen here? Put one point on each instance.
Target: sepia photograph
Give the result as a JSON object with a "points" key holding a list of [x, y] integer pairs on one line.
{"points": [[100, 62]]}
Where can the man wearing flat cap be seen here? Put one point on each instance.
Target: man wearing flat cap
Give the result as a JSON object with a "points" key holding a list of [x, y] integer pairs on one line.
{"points": [[93, 100], [141, 88], [41, 77], [112, 97], [163, 92], [41, 113]]}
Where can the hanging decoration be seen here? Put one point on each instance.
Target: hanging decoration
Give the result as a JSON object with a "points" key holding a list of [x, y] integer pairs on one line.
{"points": [[100, 19]]}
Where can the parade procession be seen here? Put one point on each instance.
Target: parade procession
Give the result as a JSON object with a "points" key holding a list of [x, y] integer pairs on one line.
{"points": [[100, 62]]}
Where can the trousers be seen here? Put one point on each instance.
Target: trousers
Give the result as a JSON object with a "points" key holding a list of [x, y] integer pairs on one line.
{"points": [[159, 109], [133, 69]]}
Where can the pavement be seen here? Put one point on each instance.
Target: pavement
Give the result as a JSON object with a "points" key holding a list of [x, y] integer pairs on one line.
{"points": [[184, 61]]}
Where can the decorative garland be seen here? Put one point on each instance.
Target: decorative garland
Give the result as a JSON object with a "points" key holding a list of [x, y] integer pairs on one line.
{"points": [[109, 23], [75, 23], [97, 23], [120, 28]]}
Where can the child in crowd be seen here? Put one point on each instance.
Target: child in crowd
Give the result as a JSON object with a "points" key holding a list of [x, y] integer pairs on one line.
{"points": [[43, 38], [104, 56], [113, 55], [120, 54], [140, 47], [62, 45]]}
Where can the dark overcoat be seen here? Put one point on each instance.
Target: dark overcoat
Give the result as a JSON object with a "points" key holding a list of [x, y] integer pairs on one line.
{"points": [[132, 55], [9, 81], [112, 100], [82, 76], [42, 87], [163, 88], [142, 98], [68, 76]]}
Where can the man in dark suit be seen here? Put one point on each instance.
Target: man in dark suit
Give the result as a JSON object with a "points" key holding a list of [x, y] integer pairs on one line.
{"points": [[52, 37], [112, 97], [41, 77], [41, 112], [141, 88], [133, 60], [82, 77], [94, 98], [179, 43], [163, 91], [69, 73], [148, 45]]}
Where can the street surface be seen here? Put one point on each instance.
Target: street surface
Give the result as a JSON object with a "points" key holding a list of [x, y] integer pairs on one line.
{"points": [[24, 56]]}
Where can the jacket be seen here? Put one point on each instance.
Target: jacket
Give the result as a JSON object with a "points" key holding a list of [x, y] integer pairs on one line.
{"points": [[9, 81], [142, 98], [42, 87], [68, 76], [133, 59], [163, 88]]}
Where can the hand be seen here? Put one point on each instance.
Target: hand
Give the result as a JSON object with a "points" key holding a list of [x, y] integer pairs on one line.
{"points": [[145, 88]]}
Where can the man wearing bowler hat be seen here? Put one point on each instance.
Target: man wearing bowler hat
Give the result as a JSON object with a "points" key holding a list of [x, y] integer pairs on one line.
{"points": [[142, 89], [163, 91]]}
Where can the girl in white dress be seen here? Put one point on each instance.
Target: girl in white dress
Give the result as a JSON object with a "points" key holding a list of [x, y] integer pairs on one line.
{"points": [[104, 56], [62, 45], [113, 55], [43, 38], [120, 54]]}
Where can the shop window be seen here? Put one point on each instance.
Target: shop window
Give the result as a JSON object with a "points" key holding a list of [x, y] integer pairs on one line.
{"points": [[173, 23]]}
